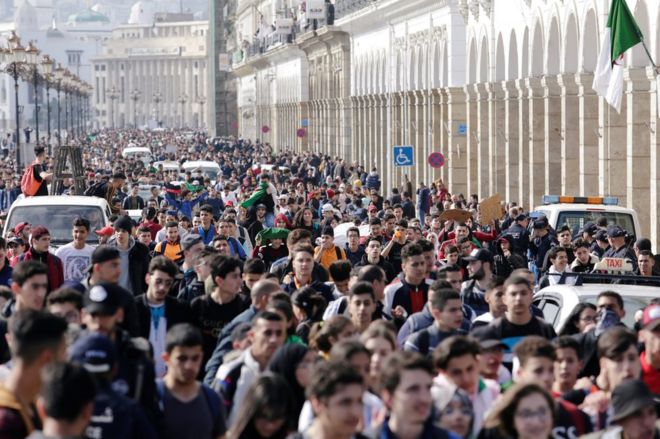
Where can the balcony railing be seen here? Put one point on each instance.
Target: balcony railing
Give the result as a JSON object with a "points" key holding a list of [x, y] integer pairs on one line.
{"points": [[347, 7]]}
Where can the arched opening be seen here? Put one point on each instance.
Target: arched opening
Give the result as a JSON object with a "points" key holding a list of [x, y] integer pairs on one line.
{"points": [[445, 65], [412, 80], [500, 63], [513, 57], [383, 72], [524, 65], [398, 68], [421, 67], [571, 46], [537, 51], [472, 63], [484, 63], [590, 34], [552, 62], [639, 57], [657, 36], [437, 66]]}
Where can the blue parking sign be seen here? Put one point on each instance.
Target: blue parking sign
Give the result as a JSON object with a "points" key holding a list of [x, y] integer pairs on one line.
{"points": [[403, 156]]}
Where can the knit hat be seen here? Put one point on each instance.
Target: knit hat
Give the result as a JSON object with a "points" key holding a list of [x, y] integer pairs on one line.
{"points": [[39, 231], [330, 193], [124, 223]]}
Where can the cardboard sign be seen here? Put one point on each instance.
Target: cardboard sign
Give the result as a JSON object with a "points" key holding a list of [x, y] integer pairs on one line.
{"points": [[315, 9], [490, 209], [459, 215]]}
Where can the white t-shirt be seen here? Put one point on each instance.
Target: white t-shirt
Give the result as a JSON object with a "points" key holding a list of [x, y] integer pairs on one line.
{"points": [[75, 262]]}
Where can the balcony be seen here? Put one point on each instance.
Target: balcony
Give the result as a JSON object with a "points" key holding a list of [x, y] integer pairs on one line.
{"points": [[347, 7]]}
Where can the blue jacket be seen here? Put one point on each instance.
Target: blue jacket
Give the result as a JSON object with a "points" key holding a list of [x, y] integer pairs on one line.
{"points": [[185, 206], [5, 274]]}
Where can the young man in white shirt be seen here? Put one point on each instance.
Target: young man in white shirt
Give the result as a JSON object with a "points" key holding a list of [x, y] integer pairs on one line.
{"points": [[76, 255]]}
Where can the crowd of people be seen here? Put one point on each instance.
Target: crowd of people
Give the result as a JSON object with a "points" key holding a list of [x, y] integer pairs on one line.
{"points": [[290, 297]]}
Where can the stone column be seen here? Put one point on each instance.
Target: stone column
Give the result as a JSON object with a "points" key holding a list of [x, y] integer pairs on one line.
{"points": [[457, 157], [570, 135], [638, 145], [589, 133], [419, 140], [482, 140], [523, 142], [654, 161], [612, 151], [536, 144], [552, 147], [497, 138], [511, 140], [472, 140]]}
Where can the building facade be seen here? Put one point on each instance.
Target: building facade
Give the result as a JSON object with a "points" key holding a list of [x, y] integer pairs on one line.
{"points": [[502, 88], [151, 75]]}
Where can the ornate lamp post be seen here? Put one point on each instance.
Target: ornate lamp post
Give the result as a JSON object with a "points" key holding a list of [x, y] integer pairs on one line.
{"points": [[14, 64], [58, 76], [32, 74], [113, 94], [182, 100], [158, 98], [201, 100], [135, 96], [47, 69]]}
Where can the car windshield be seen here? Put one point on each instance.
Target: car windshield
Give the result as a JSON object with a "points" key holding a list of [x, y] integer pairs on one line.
{"points": [[58, 220], [577, 219]]}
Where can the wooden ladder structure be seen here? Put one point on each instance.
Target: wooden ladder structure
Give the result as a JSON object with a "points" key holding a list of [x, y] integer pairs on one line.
{"points": [[72, 154]]}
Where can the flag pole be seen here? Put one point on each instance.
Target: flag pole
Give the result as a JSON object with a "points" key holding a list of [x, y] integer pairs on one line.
{"points": [[646, 49]]}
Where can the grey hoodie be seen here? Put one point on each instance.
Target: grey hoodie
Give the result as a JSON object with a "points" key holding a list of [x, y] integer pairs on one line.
{"points": [[125, 276]]}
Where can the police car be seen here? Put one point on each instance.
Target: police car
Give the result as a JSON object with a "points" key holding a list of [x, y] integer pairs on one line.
{"points": [[576, 211], [558, 301]]}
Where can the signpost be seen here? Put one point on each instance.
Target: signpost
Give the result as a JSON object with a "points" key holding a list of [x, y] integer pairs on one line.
{"points": [[436, 160], [403, 156]]}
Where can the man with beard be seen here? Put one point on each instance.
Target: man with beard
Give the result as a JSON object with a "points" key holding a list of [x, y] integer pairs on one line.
{"points": [[480, 269]]}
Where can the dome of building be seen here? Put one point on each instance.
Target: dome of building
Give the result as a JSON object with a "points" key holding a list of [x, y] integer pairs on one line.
{"points": [[142, 13], [25, 18], [88, 16]]}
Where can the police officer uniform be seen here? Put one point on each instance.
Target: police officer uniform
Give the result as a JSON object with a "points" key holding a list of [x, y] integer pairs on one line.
{"points": [[623, 252], [518, 236]]}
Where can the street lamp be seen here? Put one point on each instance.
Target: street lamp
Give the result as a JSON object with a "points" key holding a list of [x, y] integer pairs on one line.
{"points": [[135, 96], [58, 76], [201, 100], [32, 74], [47, 69], [158, 98], [14, 64], [182, 100], [113, 94]]}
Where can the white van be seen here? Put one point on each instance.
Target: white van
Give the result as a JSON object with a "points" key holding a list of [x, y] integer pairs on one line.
{"points": [[576, 211], [56, 213], [209, 169], [137, 152]]}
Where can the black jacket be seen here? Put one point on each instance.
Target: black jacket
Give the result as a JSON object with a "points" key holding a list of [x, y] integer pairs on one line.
{"points": [[138, 266], [175, 312]]}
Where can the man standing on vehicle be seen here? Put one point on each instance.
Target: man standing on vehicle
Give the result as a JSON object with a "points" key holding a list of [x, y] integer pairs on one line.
{"points": [[77, 254], [39, 171]]}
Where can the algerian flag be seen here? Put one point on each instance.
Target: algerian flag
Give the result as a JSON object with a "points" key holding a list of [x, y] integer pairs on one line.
{"points": [[621, 34]]}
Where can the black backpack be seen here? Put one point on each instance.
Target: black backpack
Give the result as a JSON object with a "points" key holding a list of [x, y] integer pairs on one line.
{"points": [[97, 190]]}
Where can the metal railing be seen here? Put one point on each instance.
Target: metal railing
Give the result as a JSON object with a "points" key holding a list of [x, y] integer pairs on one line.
{"points": [[347, 7]]}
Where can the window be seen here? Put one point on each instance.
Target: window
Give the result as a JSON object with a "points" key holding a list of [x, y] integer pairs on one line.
{"points": [[73, 57]]}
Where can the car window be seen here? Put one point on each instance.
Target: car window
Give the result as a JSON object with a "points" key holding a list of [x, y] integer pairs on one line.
{"points": [[58, 220], [576, 219], [550, 308]]}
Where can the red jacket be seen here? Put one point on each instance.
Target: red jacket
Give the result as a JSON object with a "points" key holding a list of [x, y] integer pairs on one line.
{"points": [[55, 267]]}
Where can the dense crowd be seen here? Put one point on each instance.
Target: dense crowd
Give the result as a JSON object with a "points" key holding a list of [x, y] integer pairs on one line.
{"points": [[289, 296]]}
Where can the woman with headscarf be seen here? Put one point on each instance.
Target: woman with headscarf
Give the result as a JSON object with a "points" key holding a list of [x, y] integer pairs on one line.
{"points": [[294, 362]]}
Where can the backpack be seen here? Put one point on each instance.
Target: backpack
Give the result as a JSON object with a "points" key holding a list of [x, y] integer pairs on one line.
{"points": [[212, 399], [97, 190], [29, 184], [423, 341]]}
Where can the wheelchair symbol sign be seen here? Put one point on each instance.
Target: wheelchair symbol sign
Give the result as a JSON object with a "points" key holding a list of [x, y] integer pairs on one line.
{"points": [[403, 156]]}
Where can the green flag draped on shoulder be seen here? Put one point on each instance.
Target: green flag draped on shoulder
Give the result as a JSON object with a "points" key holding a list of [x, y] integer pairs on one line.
{"points": [[621, 34], [256, 196]]}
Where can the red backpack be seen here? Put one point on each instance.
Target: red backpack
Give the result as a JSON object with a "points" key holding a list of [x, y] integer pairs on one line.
{"points": [[29, 184]]}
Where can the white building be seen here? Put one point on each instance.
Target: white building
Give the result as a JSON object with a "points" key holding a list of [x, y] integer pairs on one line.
{"points": [[165, 59], [501, 87]]}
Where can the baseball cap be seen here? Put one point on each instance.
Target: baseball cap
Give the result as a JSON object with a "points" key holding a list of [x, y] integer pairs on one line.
{"points": [[372, 208], [20, 226], [651, 317], [492, 344], [95, 352], [330, 193], [615, 231], [601, 235], [103, 298], [190, 240], [540, 223], [260, 206], [480, 254], [104, 253], [629, 397], [327, 208], [589, 228], [105, 231]]}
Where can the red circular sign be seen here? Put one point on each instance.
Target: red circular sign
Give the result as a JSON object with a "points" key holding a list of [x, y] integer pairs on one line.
{"points": [[301, 132], [265, 129], [436, 160]]}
